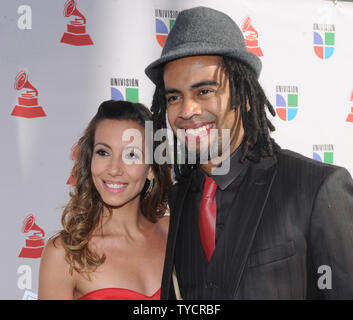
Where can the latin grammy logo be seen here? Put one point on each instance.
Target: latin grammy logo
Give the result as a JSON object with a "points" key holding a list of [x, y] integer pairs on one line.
{"points": [[350, 116], [34, 242], [27, 106], [76, 30], [251, 37], [73, 152]]}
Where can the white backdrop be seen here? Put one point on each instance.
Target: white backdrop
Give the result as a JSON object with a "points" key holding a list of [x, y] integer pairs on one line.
{"points": [[104, 55]]}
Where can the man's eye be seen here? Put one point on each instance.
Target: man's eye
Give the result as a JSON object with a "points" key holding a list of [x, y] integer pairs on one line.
{"points": [[172, 99], [205, 91]]}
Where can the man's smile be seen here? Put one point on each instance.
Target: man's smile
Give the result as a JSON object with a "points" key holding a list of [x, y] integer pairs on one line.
{"points": [[197, 130]]}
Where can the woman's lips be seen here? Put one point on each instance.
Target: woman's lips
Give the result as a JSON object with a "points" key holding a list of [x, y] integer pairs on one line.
{"points": [[114, 187]]}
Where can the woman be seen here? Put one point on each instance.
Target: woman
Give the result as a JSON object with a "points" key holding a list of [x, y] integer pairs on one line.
{"points": [[114, 235]]}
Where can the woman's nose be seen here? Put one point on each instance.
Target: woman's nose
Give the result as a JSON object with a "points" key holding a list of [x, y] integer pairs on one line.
{"points": [[116, 166]]}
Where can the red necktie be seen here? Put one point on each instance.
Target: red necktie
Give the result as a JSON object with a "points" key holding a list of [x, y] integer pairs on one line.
{"points": [[207, 217]]}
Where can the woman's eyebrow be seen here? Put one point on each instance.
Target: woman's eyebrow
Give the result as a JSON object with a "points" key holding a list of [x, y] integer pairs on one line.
{"points": [[104, 144], [133, 147]]}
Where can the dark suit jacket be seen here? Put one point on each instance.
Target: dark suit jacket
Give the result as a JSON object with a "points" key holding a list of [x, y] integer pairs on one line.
{"points": [[292, 216]]}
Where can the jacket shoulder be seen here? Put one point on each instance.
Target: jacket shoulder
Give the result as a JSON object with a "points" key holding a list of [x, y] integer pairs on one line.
{"points": [[176, 188], [290, 159], [297, 169]]}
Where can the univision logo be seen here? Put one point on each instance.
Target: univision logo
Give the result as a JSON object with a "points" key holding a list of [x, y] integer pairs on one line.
{"points": [[164, 23], [124, 89], [323, 153], [324, 40], [286, 102]]}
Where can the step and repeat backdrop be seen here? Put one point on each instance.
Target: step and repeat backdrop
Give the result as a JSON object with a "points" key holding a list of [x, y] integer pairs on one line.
{"points": [[60, 59]]}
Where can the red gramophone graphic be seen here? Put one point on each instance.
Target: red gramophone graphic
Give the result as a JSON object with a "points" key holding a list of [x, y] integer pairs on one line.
{"points": [[76, 30], [35, 241], [350, 116], [251, 37], [27, 106], [73, 152]]}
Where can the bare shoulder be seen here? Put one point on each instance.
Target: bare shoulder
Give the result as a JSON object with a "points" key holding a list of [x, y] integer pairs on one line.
{"points": [[54, 249], [55, 280]]}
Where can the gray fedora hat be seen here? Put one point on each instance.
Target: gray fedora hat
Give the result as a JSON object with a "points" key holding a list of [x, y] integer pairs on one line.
{"points": [[203, 31]]}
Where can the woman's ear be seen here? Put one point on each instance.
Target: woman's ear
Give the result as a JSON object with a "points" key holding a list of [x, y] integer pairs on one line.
{"points": [[150, 174], [247, 105]]}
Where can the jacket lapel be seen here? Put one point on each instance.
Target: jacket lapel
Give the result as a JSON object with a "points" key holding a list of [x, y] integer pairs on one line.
{"points": [[176, 205], [240, 230]]}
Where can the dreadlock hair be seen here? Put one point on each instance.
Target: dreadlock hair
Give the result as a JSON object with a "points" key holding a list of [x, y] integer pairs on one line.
{"points": [[244, 90]]}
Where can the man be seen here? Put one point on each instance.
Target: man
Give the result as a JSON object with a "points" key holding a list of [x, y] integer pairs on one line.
{"points": [[277, 225]]}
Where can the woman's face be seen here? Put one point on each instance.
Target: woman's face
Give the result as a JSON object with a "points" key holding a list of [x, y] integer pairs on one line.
{"points": [[118, 163]]}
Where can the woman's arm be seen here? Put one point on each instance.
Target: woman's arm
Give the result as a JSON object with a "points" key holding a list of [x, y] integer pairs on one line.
{"points": [[55, 281]]}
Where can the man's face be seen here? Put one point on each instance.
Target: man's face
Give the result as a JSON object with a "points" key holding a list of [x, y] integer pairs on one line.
{"points": [[198, 100]]}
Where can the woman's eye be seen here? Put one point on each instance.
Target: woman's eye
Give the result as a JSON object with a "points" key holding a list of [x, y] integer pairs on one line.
{"points": [[102, 152], [132, 154]]}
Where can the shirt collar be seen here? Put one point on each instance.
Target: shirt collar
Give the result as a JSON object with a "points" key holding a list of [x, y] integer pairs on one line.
{"points": [[222, 181]]}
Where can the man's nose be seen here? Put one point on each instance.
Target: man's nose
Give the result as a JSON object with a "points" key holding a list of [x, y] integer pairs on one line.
{"points": [[189, 108]]}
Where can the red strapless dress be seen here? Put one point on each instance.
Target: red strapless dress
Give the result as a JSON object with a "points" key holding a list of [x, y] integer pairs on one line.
{"points": [[119, 294]]}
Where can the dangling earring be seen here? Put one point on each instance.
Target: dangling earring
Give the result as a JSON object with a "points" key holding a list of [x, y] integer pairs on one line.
{"points": [[150, 187]]}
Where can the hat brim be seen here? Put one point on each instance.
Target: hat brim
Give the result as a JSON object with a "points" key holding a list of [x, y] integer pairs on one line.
{"points": [[200, 48]]}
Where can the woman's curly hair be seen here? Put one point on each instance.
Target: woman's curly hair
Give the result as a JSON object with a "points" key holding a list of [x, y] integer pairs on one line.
{"points": [[84, 211]]}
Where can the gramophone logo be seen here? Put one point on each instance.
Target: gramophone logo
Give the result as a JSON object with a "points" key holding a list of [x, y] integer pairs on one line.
{"points": [[27, 106], [286, 102], [73, 153], [251, 37], [350, 115], [76, 30], [324, 40], [323, 153], [124, 89], [34, 240], [164, 23]]}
